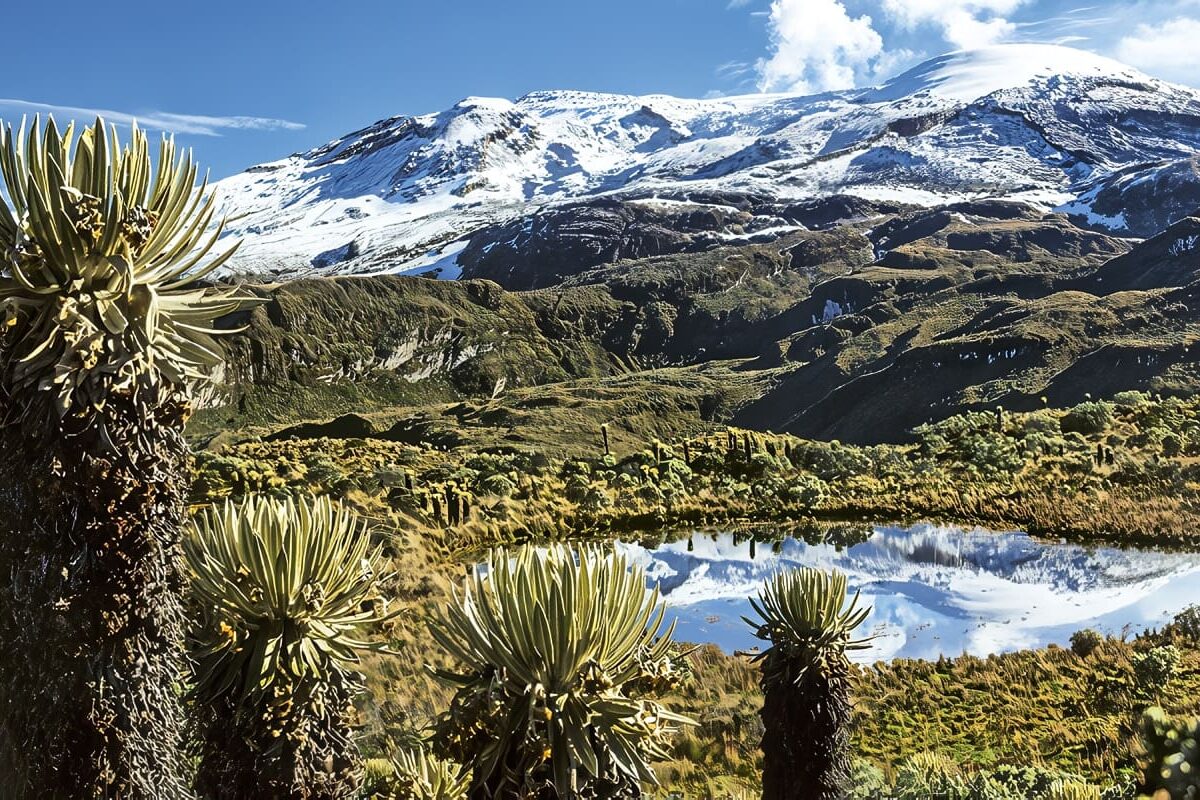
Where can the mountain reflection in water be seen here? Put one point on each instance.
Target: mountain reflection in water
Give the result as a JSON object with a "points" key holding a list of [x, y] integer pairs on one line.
{"points": [[935, 590]]}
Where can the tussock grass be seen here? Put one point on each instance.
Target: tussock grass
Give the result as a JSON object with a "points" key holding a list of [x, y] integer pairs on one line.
{"points": [[1133, 477]]}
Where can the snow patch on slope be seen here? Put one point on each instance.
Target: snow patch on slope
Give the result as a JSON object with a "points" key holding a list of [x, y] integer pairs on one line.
{"points": [[441, 264], [967, 75]]}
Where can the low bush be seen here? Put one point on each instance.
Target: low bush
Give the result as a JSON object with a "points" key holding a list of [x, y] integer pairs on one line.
{"points": [[1085, 641], [1087, 418]]}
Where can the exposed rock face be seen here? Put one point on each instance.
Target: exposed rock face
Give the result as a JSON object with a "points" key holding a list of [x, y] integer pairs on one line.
{"points": [[543, 249], [973, 234], [1064, 348], [324, 347], [1144, 201], [1170, 259], [839, 209]]}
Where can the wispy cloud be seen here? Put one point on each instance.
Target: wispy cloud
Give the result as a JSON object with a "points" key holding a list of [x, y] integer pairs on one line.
{"points": [[1070, 20], [1069, 39], [196, 124], [737, 77], [733, 69]]}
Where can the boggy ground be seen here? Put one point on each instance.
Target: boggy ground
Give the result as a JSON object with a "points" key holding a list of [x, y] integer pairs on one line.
{"points": [[447, 482]]}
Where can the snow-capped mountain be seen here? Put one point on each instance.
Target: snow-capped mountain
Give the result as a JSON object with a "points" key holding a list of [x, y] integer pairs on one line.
{"points": [[1050, 125]]}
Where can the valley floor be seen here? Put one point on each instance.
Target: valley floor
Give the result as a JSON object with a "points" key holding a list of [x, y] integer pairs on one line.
{"points": [[495, 473]]}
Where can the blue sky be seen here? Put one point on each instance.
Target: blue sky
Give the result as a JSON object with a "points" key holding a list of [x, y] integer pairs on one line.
{"points": [[252, 81]]}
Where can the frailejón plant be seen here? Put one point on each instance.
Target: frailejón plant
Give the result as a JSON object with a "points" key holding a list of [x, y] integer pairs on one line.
{"points": [[560, 651], [104, 340], [805, 617], [285, 591]]}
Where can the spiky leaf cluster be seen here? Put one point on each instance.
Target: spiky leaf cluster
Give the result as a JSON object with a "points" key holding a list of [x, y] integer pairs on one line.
{"points": [[418, 775], [556, 646], [805, 680], [285, 588], [1172, 755], [1073, 790], [99, 252], [803, 613]]}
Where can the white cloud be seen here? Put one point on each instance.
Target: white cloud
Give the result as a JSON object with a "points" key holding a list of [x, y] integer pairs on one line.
{"points": [[1167, 49], [817, 46], [962, 23], [156, 120]]}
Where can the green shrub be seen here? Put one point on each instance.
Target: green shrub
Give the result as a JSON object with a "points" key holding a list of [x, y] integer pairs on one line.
{"points": [[807, 490], [497, 484], [830, 460], [324, 474], [1130, 399], [1187, 623], [1154, 668], [1041, 422], [927, 775], [595, 500], [1087, 418], [577, 488], [867, 781]]}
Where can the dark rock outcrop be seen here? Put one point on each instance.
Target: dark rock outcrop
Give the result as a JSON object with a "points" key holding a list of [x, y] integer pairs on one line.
{"points": [[1172, 258], [544, 248], [1147, 200]]}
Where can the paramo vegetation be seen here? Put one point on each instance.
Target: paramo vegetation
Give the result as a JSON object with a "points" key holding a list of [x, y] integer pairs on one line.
{"points": [[1133, 477], [1008, 726], [289, 618]]}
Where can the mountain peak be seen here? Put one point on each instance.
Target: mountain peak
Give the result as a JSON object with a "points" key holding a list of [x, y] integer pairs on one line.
{"points": [[1068, 129], [967, 75]]}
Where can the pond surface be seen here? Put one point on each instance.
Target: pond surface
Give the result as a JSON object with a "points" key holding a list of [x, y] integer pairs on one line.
{"points": [[934, 590]]}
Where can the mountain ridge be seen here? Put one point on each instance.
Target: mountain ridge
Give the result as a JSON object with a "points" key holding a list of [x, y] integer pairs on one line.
{"points": [[1055, 126], [1057, 264]]}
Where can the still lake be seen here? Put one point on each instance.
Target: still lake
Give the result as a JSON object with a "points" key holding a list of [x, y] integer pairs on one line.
{"points": [[935, 590]]}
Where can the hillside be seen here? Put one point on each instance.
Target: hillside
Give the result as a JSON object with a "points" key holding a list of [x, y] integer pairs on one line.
{"points": [[970, 306]]}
